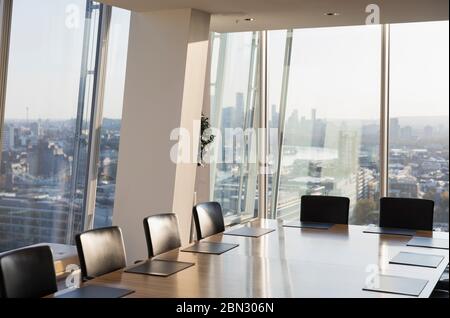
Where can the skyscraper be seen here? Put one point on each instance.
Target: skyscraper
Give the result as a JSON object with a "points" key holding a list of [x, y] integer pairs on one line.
{"points": [[394, 129]]}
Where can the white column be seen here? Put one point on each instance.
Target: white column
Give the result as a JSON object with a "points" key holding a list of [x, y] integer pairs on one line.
{"points": [[164, 88]]}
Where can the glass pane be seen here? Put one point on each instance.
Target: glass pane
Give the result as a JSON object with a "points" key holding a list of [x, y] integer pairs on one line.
{"points": [[419, 115], [234, 103], [331, 137], [112, 114], [45, 133]]}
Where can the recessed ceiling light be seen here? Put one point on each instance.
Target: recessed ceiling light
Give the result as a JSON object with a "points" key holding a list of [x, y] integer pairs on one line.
{"points": [[249, 19], [331, 14]]}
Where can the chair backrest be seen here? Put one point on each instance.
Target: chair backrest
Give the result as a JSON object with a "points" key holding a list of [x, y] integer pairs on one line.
{"points": [[415, 214], [100, 251], [324, 209], [208, 219], [162, 233], [27, 273]]}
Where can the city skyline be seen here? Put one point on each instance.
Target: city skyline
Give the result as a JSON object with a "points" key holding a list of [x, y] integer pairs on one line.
{"points": [[326, 156]]}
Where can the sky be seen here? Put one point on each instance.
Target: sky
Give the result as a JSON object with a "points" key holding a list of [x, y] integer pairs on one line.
{"points": [[334, 70], [45, 60], [337, 70]]}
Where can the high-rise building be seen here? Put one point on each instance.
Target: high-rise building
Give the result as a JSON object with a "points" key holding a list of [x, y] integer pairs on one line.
{"points": [[8, 137], [48, 160], [318, 130], [428, 132], [394, 129], [406, 133], [274, 116]]}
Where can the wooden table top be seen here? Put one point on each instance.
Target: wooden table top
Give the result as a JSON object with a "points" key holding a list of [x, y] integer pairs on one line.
{"points": [[289, 262]]}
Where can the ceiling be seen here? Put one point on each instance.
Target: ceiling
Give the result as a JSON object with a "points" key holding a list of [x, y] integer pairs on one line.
{"points": [[230, 15]]}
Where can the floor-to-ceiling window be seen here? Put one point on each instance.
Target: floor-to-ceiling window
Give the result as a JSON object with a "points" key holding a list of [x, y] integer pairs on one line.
{"points": [[324, 105], [112, 114], [234, 113], [419, 114], [46, 119], [331, 129]]}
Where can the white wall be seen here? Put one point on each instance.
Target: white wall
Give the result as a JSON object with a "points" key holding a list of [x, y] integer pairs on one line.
{"points": [[164, 89]]}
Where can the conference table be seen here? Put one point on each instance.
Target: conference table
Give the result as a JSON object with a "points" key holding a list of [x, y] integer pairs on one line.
{"points": [[288, 262]]}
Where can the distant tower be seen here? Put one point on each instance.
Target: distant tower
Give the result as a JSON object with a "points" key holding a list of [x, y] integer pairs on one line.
{"points": [[428, 131], [274, 116], [313, 114], [394, 129], [240, 102], [318, 130], [239, 113], [27, 122]]}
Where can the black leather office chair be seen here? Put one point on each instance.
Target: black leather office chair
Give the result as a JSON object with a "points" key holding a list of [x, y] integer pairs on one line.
{"points": [[437, 293], [27, 273], [162, 233], [100, 251], [415, 214], [208, 219], [324, 209], [442, 286]]}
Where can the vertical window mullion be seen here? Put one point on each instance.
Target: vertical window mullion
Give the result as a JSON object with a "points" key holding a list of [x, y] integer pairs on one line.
{"points": [[262, 133], [384, 111], [5, 32], [282, 118], [96, 116]]}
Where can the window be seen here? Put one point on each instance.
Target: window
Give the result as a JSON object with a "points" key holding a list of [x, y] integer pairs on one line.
{"points": [[419, 127], [331, 133], [324, 103], [112, 114], [45, 130], [234, 111]]}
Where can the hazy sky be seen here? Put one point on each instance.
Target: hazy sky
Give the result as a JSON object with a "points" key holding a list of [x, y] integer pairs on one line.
{"points": [[45, 59], [335, 70], [420, 69]]}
